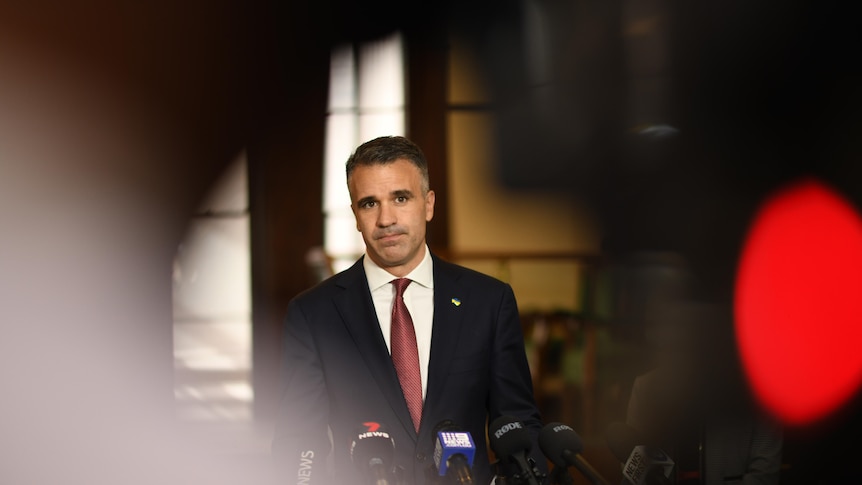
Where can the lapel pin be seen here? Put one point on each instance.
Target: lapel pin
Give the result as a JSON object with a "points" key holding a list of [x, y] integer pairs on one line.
{"points": [[456, 302]]}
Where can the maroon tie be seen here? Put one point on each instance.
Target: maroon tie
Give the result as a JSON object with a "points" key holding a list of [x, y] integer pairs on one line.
{"points": [[405, 354]]}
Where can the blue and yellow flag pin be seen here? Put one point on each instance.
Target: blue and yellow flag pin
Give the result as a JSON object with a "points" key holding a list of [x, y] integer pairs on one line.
{"points": [[456, 302]]}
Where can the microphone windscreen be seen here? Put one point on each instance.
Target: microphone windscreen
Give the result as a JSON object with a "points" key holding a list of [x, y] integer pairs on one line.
{"points": [[643, 461], [555, 439], [508, 436], [453, 440], [373, 443], [452, 444], [622, 439]]}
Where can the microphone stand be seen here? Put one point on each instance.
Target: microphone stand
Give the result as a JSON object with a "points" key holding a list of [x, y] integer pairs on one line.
{"points": [[591, 473], [518, 477], [561, 476], [500, 477]]}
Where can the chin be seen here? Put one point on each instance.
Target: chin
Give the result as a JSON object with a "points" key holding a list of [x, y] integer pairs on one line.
{"points": [[395, 259], [391, 262]]}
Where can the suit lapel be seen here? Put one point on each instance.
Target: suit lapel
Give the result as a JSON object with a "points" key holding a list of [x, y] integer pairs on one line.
{"points": [[448, 315], [357, 311]]}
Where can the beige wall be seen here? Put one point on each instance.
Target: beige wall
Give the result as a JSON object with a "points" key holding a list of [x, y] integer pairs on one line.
{"points": [[486, 217]]}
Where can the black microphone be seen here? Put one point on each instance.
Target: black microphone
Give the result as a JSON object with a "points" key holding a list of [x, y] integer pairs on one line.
{"points": [[562, 445], [511, 442], [454, 451], [643, 462], [373, 451]]}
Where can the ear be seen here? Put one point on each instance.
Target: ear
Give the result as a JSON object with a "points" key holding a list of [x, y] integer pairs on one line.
{"points": [[430, 197]]}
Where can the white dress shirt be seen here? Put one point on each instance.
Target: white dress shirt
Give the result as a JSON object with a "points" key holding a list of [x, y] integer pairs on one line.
{"points": [[419, 298]]}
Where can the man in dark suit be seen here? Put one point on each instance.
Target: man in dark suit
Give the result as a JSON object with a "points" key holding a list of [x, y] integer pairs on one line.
{"points": [[343, 346]]}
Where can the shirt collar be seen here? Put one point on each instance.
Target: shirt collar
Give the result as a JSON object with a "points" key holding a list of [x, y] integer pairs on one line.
{"points": [[422, 274]]}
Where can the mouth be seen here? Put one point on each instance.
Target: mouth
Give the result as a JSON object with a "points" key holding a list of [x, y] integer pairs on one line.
{"points": [[386, 238]]}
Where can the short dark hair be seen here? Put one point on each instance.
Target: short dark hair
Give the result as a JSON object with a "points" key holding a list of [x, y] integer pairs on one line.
{"points": [[387, 149]]}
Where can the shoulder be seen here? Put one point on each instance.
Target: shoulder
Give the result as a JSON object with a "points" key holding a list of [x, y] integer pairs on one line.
{"points": [[464, 275], [453, 277]]}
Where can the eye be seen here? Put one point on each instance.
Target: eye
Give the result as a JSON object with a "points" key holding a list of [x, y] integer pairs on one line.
{"points": [[368, 204], [401, 199]]}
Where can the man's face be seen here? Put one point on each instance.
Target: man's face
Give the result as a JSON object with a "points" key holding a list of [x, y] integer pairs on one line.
{"points": [[391, 213]]}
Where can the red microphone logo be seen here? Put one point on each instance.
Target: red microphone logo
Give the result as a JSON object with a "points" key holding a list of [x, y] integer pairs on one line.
{"points": [[371, 426]]}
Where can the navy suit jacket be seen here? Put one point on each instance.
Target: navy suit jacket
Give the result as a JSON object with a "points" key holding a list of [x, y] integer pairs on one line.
{"points": [[338, 374]]}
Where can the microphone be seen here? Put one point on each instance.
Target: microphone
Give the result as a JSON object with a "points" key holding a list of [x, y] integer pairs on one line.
{"points": [[511, 442], [562, 446], [644, 464], [372, 451], [454, 451]]}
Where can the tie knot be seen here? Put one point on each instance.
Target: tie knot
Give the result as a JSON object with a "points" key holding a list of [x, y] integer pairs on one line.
{"points": [[400, 284]]}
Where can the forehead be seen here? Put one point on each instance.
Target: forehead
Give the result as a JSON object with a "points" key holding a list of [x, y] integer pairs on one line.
{"points": [[381, 179]]}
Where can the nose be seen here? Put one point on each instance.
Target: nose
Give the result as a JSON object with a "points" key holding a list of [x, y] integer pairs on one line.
{"points": [[386, 216]]}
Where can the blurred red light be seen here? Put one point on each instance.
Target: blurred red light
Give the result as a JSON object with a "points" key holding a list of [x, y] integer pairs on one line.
{"points": [[798, 303]]}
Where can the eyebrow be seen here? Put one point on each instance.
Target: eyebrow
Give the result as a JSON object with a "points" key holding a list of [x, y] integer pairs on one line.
{"points": [[402, 193], [361, 202]]}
